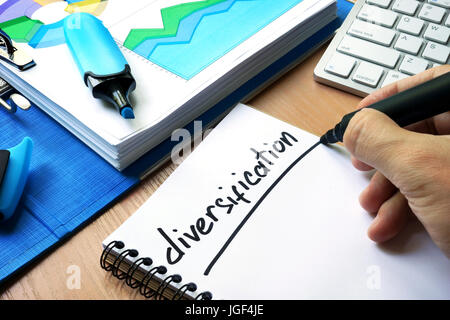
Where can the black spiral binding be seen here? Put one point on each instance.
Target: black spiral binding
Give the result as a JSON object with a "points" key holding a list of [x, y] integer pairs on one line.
{"points": [[144, 285]]}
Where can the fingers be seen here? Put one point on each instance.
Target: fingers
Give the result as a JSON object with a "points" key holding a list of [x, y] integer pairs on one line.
{"points": [[360, 165], [438, 125], [391, 219], [400, 155], [403, 85], [377, 192], [442, 123], [378, 142]]}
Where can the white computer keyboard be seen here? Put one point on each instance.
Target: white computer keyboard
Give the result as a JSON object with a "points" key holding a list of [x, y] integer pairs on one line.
{"points": [[383, 41]]}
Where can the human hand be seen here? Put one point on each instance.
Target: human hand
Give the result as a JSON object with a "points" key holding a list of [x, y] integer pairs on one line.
{"points": [[413, 166]]}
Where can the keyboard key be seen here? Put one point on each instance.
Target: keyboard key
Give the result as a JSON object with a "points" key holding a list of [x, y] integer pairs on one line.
{"points": [[410, 25], [447, 22], [412, 65], [441, 3], [369, 51], [436, 65], [368, 74], [393, 76], [409, 44], [378, 15], [405, 6], [372, 32], [380, 3], [340, 65], [431, 13], [437, 33], [436, 52]]}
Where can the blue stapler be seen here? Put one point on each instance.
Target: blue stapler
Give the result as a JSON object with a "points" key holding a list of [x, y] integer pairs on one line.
{"points": [[14, 168]]}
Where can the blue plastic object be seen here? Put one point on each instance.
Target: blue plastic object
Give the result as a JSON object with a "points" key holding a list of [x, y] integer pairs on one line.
{"points": [[100, 61], [127, 113], [92, 46], [15, 178]]}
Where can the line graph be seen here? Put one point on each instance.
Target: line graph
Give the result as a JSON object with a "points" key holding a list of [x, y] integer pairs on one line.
{"points": [[182, 37], [186, 28], [171, 17], [197, 34]]}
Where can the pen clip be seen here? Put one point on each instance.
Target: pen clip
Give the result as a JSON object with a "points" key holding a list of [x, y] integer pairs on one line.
{"points": [[13, 55]]}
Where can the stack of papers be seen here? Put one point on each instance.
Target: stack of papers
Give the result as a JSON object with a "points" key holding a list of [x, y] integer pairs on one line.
{"points": [[186, 56]]}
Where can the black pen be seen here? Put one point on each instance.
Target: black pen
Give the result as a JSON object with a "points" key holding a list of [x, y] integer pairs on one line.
{"points": [[407, 107]]}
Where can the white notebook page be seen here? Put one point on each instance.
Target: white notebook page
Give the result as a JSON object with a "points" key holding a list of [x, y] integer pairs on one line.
{"points": [[299, 236]]}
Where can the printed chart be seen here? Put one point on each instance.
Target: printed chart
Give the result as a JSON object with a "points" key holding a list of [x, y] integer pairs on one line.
{"points": [[196, 34], [192, 34]]}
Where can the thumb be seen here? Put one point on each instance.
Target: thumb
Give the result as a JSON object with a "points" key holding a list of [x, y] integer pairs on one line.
{"points": [[375, 139]]}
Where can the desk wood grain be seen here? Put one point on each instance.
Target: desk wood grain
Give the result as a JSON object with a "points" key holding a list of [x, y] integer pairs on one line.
{"points": [[295, 98]]}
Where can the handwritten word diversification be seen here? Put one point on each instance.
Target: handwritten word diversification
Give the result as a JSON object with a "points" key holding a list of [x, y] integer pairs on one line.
{"points": [[222, 206]]}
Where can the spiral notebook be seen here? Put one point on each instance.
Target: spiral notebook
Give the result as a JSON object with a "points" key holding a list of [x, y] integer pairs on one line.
{"points": [[260, 210]]}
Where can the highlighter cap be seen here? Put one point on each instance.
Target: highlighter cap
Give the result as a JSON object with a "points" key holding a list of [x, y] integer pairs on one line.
{"points": [[92, 46]]}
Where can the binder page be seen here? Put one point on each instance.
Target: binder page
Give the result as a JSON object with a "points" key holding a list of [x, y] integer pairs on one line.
{"points": [[176, 49]]}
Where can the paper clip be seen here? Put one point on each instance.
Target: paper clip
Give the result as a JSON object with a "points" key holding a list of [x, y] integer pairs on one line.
{"points": [[10, 99], [13, 55]]}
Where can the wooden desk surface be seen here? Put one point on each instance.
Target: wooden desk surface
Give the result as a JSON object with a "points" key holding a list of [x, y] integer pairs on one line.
{"points": [[296, 98]]}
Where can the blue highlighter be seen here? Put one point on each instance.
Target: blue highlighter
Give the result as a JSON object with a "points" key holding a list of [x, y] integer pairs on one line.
{"points": [[14, 168], [101, 63]]}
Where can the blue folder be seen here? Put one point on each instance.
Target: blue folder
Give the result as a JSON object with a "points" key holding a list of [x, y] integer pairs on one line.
{"points": [[69, 184]]}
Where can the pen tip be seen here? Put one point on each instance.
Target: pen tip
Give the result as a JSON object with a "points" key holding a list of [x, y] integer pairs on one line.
{"points": [[127, 113], [329, 137]]}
